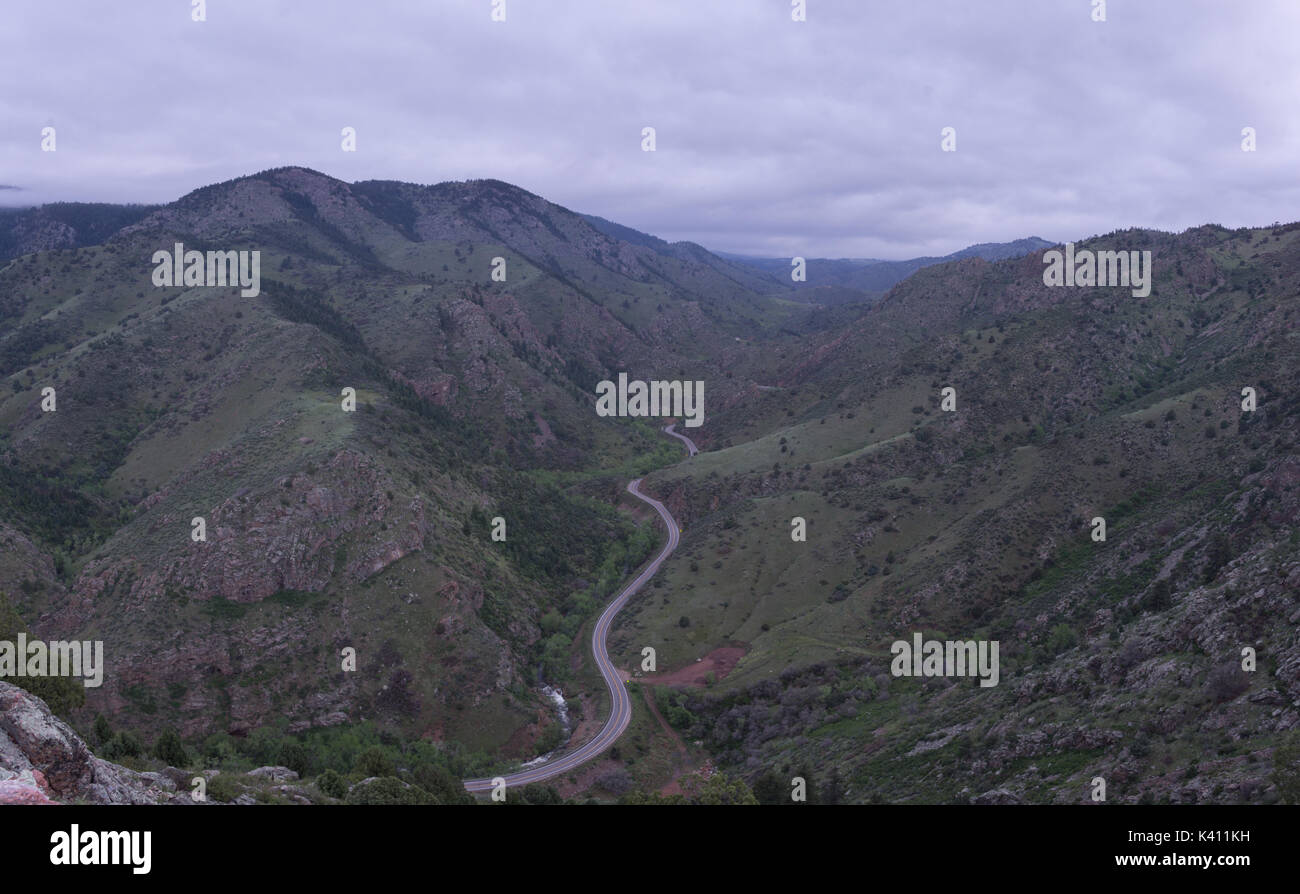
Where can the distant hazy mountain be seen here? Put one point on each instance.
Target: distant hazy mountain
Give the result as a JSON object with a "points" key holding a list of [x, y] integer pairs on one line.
{"points": [[831, 281], [831, 276], [727, 265]]}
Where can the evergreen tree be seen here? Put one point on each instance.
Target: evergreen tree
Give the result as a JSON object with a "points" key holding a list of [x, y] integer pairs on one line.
{"points": [[296, 757], [170, 749], [770, 788], [103, 731]]}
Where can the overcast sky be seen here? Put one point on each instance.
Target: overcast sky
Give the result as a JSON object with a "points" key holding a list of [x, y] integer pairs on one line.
{"points": [[819, 138]]}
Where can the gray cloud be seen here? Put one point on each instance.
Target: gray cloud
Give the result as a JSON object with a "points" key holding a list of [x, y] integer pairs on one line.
{"points": [[779, 138]]}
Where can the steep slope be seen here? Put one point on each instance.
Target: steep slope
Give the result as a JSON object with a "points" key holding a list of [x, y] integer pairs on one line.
{"points": [[328, 529], [1120, 658]]}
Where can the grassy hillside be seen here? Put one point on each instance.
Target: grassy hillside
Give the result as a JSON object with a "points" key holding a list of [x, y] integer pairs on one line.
{"points": [[1119, 658]]}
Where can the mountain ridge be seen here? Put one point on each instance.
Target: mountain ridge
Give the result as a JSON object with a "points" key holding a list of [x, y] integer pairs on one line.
{"points": [[328, 529]]}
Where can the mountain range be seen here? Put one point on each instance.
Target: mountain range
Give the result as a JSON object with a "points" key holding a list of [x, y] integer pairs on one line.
{"points": [[328, 530], [828, 281]]}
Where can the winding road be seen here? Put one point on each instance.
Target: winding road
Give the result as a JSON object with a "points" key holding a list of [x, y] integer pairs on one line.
{"points": [[690, 445], [620, 714]]}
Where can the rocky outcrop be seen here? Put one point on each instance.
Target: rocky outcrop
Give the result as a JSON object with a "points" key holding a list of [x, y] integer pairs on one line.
{"points": [[42, 761], [274, 774], [998, 796]]}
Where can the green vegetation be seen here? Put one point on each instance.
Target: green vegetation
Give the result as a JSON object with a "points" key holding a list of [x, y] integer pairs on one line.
{"points": [[63, 695], [372, 529]]}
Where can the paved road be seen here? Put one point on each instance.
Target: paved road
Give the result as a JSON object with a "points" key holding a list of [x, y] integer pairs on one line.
{"points": [[621, 704], [690, 445]]}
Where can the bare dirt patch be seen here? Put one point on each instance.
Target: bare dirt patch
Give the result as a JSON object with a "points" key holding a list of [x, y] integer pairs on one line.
{"points": [[720, 662]]}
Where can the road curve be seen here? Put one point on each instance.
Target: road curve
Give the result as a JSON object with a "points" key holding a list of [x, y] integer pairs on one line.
{"points": [[690, 445], [620, 714]]}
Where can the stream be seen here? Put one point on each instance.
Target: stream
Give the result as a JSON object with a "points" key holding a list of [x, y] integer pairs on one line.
{"points": [[561, 711]]}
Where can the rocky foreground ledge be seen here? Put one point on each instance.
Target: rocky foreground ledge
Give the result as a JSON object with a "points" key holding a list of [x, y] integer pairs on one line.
{"points": [[42, 761]]}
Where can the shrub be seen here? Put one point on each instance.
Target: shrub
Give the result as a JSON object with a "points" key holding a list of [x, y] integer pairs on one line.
{"points": [[535, 793], [124, 744], [1226, 682], [219, 749], [441, 784], [224, 788], [1061, 639], [616, 782], [388, 790], [332, 784], [374, 762], [1286, 770], [1218, 554], [1160, 596]]}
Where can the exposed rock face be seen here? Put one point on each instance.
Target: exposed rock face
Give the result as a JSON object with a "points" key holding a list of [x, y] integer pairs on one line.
{"points": [[281, 537], [42, 761]]}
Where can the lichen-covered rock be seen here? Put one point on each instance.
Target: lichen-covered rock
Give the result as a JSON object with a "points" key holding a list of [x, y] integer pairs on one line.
{"points": [[42, 761], [18, 791]]}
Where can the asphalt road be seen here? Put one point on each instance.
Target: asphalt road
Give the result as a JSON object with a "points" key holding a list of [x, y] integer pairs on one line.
{"points": [[621, 712], [690, 445]]}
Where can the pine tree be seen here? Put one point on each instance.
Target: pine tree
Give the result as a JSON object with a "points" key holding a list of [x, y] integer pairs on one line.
{"points": [[170, 749]]}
